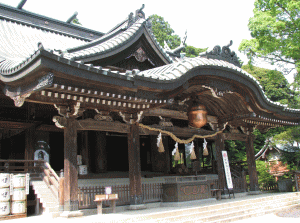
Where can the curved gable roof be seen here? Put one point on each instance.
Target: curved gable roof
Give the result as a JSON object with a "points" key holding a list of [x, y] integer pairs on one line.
{"points": [[123, 36]]}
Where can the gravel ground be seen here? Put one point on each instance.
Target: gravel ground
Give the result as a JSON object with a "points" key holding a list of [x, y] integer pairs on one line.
{"points": [[293, 212]]}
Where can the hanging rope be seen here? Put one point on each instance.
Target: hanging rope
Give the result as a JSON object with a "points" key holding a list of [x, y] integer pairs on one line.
{"points": [[176, 139]]}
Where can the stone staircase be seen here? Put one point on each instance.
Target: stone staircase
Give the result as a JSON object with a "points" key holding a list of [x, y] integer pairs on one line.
{"points": [[47, 198], [224, 211]]}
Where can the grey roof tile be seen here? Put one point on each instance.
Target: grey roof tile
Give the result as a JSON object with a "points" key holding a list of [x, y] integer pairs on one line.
{"points": [[19, 42]]}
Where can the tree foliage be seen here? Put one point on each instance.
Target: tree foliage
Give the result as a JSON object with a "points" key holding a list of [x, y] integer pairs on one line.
{"points": [[192, 51], [275, 85], [265, 179], [163, 32], [275, 29]]}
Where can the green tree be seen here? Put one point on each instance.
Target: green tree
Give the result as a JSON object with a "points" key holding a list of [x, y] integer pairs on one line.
{"points": [[163, 32], [277, 89], [275, 85], [192, 51], [275, 29], [265, 179]]}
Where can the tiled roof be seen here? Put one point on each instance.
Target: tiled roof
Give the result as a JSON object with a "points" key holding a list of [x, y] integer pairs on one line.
{"points": [[115, 39], [176, 70], [19, 42]]}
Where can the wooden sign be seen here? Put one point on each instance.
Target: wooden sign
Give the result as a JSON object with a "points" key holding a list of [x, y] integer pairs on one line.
{"points": [[100, 197], [113, 196]]}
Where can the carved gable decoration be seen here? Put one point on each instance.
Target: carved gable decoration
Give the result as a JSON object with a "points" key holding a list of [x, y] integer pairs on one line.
{"points": [[140, 55], [222, 54]]}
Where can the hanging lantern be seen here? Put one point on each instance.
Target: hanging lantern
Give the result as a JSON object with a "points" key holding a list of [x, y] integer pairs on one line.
{"points": [[205, 150], [197, 115], [160, 144], [177, 155], [193, 155]]}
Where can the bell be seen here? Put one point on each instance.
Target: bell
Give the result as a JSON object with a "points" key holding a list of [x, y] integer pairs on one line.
{"points": [[197, 115]]}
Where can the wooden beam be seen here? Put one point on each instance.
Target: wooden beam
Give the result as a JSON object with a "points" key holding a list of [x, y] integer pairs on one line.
{"points": [[49, 128], [70, 166], [100, 152], [231, 136], [91, 124], [135, 177], [85, 150], [251, 164], [174, 114], [178, 131], [15, 125], [29, 144], [221, 172]]}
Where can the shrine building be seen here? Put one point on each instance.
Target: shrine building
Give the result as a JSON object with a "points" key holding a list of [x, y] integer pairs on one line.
{"points": [[117, 109]]}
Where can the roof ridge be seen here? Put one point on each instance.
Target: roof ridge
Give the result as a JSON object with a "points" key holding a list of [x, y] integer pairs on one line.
{"points": [[46, 23]]}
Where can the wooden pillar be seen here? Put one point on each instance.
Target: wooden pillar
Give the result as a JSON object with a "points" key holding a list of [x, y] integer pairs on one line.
{"points": [[221, 172], [135, 183], [29, 145], [85, 150], [70, 166], [251, 164], [100, 152]]}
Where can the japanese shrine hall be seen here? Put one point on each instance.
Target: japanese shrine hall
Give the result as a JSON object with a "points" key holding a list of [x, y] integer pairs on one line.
{"points": [[122, 102]]}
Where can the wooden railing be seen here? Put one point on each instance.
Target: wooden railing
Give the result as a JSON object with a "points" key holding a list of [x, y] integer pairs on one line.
{"points": [[39, 167], [269, 187], [51, 178], [20, 166], [151, 193]]}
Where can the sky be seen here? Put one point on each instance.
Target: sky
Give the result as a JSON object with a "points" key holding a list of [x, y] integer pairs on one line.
{"points": [[208, 22]]}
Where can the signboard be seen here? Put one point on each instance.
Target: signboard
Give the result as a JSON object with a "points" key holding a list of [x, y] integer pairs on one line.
{"points": [[107, 190], [27, 182], [227, 170], [11, 188]]}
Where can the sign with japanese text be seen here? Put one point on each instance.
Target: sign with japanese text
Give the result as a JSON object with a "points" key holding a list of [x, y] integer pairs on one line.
{"points": [[227, 170]]}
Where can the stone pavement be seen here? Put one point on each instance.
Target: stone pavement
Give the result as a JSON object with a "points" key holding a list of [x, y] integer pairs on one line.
{"points": [[291, 215]]}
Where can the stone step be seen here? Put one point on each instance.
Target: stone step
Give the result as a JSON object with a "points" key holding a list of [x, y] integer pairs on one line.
{"points": [[46, 196], [231, 210]]}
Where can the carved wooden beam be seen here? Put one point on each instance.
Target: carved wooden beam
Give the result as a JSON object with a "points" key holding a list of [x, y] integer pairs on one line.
{"points": [[174, 114]]}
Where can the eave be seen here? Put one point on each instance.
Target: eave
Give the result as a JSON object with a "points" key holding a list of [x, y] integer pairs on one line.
{"points": [[98, 88]]}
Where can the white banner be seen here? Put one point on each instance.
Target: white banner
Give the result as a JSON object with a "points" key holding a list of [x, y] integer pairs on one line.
{"points": [[227, 170]]}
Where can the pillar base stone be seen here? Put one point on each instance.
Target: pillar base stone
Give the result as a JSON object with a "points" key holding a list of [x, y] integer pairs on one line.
{"points": [[137, 207], [71, 214], [255, 192]]}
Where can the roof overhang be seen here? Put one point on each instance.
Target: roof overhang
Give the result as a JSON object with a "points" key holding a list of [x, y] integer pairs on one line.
{"points": [[227, 91]]}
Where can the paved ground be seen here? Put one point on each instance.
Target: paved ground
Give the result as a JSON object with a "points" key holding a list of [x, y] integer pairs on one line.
{"points": [[290, 215]]}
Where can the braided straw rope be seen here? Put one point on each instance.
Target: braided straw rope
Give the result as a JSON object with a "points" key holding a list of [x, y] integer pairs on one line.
{"points": [[176, 139]]}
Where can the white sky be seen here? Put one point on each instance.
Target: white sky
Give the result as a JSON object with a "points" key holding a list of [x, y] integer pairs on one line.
{"points": [[208, 22]]}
